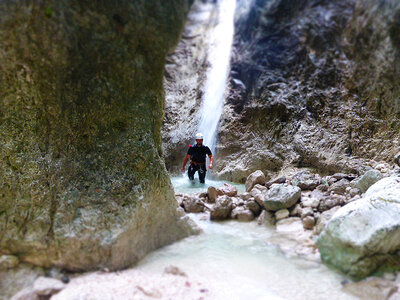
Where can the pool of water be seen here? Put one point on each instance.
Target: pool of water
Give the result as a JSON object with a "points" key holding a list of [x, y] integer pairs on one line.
{"points": [[237, 261], [182, 184], [242, 261]]}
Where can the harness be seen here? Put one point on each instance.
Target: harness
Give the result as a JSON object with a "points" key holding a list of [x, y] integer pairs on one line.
{"points": [[196, 163]]}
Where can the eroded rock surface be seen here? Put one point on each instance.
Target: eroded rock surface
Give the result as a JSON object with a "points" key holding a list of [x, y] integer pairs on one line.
{"points": [[83, 183]]}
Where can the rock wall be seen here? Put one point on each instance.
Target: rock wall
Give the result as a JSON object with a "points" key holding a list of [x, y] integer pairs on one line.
{"points": [[313, 84], [83, 184]]}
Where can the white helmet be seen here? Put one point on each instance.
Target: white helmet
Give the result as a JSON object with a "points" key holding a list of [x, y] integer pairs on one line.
{"points": [[199, 136]]}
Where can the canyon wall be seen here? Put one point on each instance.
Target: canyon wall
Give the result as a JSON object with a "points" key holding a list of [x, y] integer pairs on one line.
{"points": [[83, 183]]}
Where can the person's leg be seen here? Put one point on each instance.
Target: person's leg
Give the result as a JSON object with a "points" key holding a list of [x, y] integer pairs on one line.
{"points": [[191, 172], [202, 173]]}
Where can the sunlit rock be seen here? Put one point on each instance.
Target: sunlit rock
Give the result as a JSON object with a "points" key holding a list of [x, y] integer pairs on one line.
{"points": [[254, 178], [281, 196], [364, 235]]}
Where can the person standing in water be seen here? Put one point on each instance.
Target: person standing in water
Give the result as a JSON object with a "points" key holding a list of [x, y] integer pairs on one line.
{"points": [[197, 154]]}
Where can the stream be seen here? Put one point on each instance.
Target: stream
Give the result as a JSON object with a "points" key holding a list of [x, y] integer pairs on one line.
{"points": [[238, 261]]}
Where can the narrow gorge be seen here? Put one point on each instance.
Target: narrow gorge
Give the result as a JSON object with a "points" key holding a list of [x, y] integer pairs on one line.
{"points": [[297, 100]]}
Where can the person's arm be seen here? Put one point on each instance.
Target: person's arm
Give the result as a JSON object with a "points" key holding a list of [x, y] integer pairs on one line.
{"points": [[211, 161], [185, 162]]}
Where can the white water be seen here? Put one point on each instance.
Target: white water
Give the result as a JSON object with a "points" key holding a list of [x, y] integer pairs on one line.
{"points": [[219, 57]]}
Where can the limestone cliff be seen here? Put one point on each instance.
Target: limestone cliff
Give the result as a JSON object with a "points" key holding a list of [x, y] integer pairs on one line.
{"points": [[83, 184], [313, 84]]}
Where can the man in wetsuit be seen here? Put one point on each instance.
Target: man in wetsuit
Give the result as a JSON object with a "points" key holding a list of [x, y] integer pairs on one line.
{"points": [[197, 153]]}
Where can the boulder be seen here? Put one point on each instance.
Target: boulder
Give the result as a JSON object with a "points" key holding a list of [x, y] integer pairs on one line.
{"points": [[296, 211], [366, 180], [266, 218], [8, 262], [254, 178], [45, 286], [364, 235], [281, 196], [305, 180], [245, 196], [193, 204], [254, 207], [312, 199], [306, 211], [222, 208], [242, 214], [228, 189], [339, 187], [259, 194], [281, 214], [331, 201], [212, 194], [308, 222]]}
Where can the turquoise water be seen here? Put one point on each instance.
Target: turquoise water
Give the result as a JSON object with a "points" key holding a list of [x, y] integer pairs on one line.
{"points": [[182, 184], [235, 260]]}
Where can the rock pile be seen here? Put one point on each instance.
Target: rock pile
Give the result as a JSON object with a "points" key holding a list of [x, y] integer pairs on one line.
{"points": [[305, 195]]}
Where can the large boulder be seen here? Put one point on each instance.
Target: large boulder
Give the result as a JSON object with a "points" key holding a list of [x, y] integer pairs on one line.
{"points": [[364, 235], [222, 208], [83, 182], [281, 196], [254, 178]]}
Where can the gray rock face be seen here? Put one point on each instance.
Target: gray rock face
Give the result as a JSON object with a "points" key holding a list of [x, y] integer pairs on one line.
{"points": [[366, 180], [281, 196], [254, 178], [222, 208], [364, 235]]}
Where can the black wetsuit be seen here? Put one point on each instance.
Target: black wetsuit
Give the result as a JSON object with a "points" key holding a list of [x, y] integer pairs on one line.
{"points": [[198, 156]]}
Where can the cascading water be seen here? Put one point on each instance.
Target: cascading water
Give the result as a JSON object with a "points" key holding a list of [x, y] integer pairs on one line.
{"points": [[219, 58]]}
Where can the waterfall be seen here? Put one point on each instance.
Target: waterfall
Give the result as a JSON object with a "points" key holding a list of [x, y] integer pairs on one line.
{"points": [[219, 55]]}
